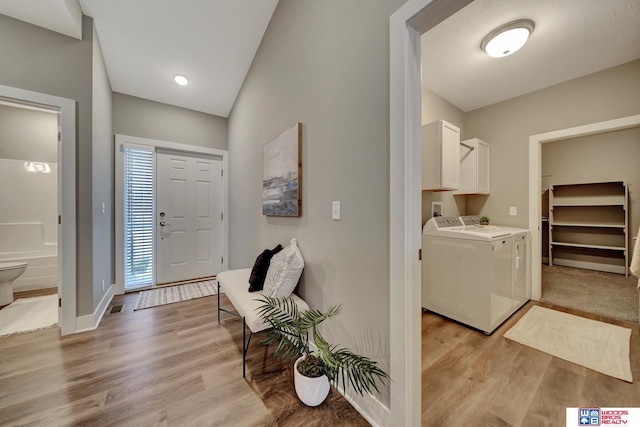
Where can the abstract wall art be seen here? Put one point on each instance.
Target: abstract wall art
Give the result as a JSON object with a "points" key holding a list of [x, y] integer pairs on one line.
{"points": [[282, 173]]}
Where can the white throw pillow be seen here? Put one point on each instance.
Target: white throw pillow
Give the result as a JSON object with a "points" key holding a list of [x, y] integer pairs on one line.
{"points": [[284, 272]]}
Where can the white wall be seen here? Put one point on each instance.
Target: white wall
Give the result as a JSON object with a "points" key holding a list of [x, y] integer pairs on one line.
{"points": [[28, 197], [28, 135]]}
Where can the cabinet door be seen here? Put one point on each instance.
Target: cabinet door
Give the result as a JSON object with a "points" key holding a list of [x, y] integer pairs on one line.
{"points": [[450, 172], [483, 168]]}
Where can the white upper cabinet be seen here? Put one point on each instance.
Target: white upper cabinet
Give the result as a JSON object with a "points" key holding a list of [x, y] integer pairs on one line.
{"points": [[440, 156], [475, 167]]}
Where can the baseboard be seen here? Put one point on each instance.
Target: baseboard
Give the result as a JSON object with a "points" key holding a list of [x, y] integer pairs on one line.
{"points": [[90, 322], [375, 412]]}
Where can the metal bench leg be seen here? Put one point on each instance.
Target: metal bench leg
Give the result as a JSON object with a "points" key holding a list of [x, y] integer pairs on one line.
{"points": [[245, 346], [218, 302]]}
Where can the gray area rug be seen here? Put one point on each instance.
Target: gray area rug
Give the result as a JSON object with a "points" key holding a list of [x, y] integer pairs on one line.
{"points": [[589, 343], [171, 294], [598, 292]]}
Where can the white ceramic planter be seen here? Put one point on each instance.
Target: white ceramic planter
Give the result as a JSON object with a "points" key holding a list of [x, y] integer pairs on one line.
{"points": [[311, 391]]}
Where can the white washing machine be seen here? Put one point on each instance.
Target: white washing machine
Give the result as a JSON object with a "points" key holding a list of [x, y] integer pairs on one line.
{"points": [[468, 272]]}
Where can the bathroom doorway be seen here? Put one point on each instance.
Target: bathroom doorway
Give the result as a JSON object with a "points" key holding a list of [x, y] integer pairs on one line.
{"points": [[29, 191], [40, 229]]}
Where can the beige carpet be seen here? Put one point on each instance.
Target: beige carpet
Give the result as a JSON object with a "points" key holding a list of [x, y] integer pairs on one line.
{"points": [[28, 315], [589, 343], [171, 294], [598, 292]]}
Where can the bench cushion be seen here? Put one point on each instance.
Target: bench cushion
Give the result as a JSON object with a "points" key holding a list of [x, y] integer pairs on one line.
{"points": [[235, 284]]}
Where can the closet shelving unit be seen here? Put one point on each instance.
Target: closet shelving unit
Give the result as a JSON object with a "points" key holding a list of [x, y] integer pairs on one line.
{"points": [[588, 225]]}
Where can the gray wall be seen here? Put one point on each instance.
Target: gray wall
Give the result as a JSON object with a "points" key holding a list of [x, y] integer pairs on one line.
{"points": [[324, 64], [102, 172], [605, 95], [149, 119], [43, 61], [28, 135]]}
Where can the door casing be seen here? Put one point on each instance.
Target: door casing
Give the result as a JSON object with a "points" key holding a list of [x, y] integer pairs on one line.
{"points": [[120, 140], [67, 196]]}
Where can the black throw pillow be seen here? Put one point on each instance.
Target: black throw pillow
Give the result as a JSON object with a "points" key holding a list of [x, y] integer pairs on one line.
{"points": [[260, 268]]}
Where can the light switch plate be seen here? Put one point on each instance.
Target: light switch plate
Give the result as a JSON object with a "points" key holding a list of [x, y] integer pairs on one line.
{"points": [[513, 210], [335, 210]]}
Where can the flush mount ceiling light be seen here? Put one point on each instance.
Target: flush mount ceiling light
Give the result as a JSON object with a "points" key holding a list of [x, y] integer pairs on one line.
{"points": [[181, 80], [507, 39]]}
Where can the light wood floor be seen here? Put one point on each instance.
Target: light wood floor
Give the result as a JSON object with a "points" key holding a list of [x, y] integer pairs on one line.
{"points": [[175, 366], [166, 366], [469, 379]]}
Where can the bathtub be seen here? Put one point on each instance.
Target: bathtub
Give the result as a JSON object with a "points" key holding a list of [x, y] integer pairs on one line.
{"points": [[26, 242]]}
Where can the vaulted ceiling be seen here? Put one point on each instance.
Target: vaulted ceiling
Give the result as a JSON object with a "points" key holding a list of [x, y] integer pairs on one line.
{"points": [[213, 42]]}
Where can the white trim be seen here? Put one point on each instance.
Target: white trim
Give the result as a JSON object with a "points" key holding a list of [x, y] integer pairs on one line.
{"points": [[405, 176], [367, 405], [120, 140], [67, 187], [91, 321], [371, 409], [535, 185], [405, 218]]}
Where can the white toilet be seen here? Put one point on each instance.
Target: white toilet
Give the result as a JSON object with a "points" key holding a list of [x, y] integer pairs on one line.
{"points": [[9, 271]]}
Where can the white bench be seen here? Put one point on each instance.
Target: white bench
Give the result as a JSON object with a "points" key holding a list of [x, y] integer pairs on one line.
{"points": [[235, 284]]}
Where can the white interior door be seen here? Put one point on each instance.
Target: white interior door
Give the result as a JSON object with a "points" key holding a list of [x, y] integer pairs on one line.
{"points": [[189, 216]]}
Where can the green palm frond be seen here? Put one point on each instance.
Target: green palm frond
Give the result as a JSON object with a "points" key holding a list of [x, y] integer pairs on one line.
{"points": [[290, 331]]}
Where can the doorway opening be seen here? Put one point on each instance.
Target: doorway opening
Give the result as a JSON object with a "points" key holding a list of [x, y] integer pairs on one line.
{"points": [[28, 189], [539, 180], [62, 229]]}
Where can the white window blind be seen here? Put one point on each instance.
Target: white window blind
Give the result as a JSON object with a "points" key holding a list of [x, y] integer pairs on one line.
{"points": [[138, 217]]}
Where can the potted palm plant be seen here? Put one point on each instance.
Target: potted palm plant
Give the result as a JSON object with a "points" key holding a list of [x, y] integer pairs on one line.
{"points": [[314, 372]]}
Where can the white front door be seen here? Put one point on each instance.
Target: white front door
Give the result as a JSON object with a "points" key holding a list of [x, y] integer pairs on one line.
{"points": [[188, 216]]}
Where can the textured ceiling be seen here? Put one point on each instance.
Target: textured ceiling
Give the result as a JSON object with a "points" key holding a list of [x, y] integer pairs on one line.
{"points": [[572, 38]]}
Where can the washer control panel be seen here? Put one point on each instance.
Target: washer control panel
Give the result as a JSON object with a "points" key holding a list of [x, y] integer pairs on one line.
{"points": [[447, 221], [441, 222], [470, 220]]}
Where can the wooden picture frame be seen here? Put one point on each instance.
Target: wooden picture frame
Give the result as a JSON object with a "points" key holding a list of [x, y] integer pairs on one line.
{"points": [[282, 174]]}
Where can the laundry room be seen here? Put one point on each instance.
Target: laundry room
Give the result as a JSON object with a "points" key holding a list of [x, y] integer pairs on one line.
{"points": [[496, 108]]}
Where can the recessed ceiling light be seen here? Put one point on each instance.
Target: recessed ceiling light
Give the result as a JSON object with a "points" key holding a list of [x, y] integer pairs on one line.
{"points": [[181, 80], [507, 39]]}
